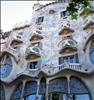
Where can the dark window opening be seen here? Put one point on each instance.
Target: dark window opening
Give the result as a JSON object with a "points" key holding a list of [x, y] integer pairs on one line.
{"points": [[33, 65], [40, 20], [64, 13]]}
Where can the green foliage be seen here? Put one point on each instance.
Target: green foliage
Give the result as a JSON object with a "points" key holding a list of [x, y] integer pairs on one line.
{"points": [[74, 6]]}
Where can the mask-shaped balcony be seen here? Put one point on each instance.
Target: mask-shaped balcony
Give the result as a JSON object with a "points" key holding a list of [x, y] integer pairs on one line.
{"points": [[67, 44], [33, 53], [66, 31], [36, 38], [88, 23], [16, 40]]}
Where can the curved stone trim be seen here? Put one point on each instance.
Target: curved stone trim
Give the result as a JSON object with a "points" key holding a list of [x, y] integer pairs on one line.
{"points": [[50, 72], [9, 53]]}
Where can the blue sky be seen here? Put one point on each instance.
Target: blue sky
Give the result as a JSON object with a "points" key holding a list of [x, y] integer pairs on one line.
{"points": [[13, 12]]}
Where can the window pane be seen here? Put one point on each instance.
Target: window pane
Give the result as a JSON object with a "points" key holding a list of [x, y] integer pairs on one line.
{"points": [[71, 59], [82, 97], [64, 13], [31, 97], [60, 60]]}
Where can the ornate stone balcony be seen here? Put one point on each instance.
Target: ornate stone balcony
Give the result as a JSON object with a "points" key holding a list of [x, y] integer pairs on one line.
{"points": [[65, 28], [88, 22], [16, 39], [53, 70], [33, 52], [67, 43], [36, 37]]}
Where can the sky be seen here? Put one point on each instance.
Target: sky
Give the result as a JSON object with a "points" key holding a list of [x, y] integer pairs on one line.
{"points": [[13, 12]]}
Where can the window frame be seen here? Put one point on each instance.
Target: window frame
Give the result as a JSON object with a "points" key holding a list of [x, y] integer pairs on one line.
{"points": [[34, 66], [68, 59], [40, 20], [64, 14]]}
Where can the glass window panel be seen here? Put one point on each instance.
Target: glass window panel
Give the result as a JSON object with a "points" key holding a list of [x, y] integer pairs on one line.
{"points": [[76, 58], [31, 97], [71, 59], [65, 59], [60, 60], [82, 97]]}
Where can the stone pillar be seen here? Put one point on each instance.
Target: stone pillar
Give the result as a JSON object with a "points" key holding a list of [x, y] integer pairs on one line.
{"points": [[24, 82], [38, 83], [68, 80], [46, 95]]}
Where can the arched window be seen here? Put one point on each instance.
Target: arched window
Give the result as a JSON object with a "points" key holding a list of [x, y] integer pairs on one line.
{"points": [[62, 89], [92, 52], [42, 88], [2, 92], [78, 90], [6, 66], [30, 90], [58, 89]]}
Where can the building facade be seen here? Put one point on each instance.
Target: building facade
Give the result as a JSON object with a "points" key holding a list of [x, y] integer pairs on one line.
{"points": [[49, 58]]}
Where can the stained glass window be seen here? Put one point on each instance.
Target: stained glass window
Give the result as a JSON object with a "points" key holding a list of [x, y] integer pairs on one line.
{"points": [[6, 66]]}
